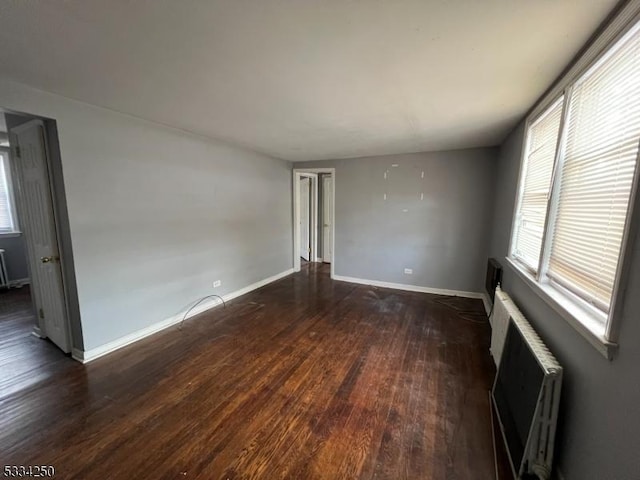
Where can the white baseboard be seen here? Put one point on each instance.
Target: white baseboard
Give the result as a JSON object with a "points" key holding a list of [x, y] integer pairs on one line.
{"points": [[36, 332], [411, 288], [89, 355]]}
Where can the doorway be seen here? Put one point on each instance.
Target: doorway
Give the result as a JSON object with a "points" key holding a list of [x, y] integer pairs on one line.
{"points": [[326, 217], [314, 213], [306, 226], [33, 227]]}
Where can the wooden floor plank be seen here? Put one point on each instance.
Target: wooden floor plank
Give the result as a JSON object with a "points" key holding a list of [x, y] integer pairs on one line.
{"points": [[304, 378]]}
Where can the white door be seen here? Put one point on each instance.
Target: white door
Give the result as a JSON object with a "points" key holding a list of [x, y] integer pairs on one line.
{"points": [[305, 242], [327, 218], [37, 220]]}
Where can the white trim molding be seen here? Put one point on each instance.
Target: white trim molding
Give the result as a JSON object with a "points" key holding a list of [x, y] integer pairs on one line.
{"points": [[97, 352], [579, 318], [36, 332], [412, 288]]}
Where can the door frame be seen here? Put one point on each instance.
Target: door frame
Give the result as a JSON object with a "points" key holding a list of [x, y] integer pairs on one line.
{"points": [[297, 174], [325, 245], [313, 207], [312, 242], [40, 328]]}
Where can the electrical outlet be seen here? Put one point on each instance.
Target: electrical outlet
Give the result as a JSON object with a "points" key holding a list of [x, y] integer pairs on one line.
{"points": [[408, 271], [217, 283]]}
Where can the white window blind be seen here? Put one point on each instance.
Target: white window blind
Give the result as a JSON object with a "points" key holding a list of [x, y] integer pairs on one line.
{"points": [[6, 210], [600, 155], [542, 138]]}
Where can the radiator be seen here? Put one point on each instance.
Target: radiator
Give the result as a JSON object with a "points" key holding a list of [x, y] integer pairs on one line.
{"points": [[526, 392], [499, 321], [4, 278], [493, 278]]}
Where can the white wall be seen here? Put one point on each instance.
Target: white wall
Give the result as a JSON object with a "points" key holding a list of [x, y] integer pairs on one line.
{"points": [[156, 215]]}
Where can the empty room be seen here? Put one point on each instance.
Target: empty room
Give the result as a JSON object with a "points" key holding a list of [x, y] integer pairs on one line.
{"points": [[365, 239]]}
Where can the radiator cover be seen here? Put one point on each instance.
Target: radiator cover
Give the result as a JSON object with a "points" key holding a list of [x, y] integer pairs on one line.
{"points": [[526, 391]]}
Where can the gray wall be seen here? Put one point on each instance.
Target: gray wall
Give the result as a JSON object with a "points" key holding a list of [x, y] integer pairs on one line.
{"points": [[599, 429], [443, 237], [156, 214]]}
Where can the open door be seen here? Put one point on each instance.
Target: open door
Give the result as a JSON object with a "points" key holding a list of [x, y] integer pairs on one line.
{"points": [[327, 219], [305, 234], [36, 215]]}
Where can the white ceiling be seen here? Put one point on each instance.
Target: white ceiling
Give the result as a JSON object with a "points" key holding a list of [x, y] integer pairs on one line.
{"points": [[304, 80]]}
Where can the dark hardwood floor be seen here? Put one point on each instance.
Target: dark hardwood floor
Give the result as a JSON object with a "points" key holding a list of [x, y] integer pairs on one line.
{"points": [[25, 360], [304, 378]]}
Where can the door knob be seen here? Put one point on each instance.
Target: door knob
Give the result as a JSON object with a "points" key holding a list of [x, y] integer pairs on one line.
{"points": [[48, 259]]}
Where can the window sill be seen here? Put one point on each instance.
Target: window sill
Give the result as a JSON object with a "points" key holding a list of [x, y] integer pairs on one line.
{"points": [[583, 321], [10, 234]]}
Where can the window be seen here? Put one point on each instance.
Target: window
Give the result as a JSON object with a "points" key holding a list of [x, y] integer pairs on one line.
{"points": [[540, 155], [7, 211], [576, 186]]}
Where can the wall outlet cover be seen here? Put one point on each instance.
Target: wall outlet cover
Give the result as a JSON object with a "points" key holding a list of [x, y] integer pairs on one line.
{"points": [[408, 271], [217, 283]]}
